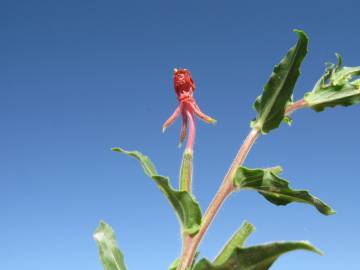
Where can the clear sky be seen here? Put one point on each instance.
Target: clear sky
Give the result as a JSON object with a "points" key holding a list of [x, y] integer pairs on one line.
{"points": [[79, 77]]}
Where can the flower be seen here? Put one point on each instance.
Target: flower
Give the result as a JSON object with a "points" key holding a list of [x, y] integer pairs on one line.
{"points": [[188, 108]]}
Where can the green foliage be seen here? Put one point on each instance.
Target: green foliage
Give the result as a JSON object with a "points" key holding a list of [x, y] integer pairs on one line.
{"points": [[277, 93], [236, 241], [275, 189], [110, 255], [335, 87], [184, 204], [259, 257], [174, 264], [338, 86]]}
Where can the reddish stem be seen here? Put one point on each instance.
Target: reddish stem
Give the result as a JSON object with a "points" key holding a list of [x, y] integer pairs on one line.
{"points": [[190, 244], [295, 106]]}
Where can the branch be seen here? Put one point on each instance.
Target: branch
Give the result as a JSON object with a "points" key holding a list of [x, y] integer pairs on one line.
{"points": [[190, 244]]}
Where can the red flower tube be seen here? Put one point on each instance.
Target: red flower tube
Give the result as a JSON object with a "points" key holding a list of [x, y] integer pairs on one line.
{"points": [[188, 108]]}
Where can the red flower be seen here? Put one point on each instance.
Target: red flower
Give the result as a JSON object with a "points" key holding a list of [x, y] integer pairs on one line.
{"points": [[184, 88]]}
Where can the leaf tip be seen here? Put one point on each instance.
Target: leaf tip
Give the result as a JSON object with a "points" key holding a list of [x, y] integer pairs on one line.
{"points": [[276, 170], [248, 226], [330, 212], [99, 235], [325, 209], [310, 247], [117, 149], [339, 59], [300, 33]]}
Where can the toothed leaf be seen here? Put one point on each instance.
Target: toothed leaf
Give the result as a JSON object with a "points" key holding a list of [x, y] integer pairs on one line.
{"points": [[337, 87], [184, 204], [275, 189], [259, 257], [277, 93]]}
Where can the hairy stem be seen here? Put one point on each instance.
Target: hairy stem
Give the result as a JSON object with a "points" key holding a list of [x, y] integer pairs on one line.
{"points": [[186, 164], [190, 244], [301, 103], [186, 171]]}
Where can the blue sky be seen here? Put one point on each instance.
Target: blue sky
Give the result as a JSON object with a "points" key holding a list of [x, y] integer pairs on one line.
{"points": [[79, 77]]}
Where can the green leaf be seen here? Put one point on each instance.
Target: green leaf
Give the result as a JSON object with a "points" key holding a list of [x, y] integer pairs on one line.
{"points": [[277, 93], [259, 257], [236, 241], [336, 87], [174, 264], [187, 209], [275, 189], [110, 255], [184, 204]]}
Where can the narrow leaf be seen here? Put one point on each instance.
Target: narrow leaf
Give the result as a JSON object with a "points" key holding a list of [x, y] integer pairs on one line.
{"points": [[110, 255], [275, 189], [337, 87], [174, 264], [145, 162], [187, 209], [277, 93], [236, 241], [184, 204], [259, 257]]}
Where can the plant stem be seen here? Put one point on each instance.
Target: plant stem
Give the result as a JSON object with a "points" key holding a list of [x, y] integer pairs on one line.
{"points": [[301, 103], [190, 244]]}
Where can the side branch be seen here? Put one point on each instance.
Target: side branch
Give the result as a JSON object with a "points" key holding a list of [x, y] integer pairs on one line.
{"points": [[190, 244], [301, 103]]}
